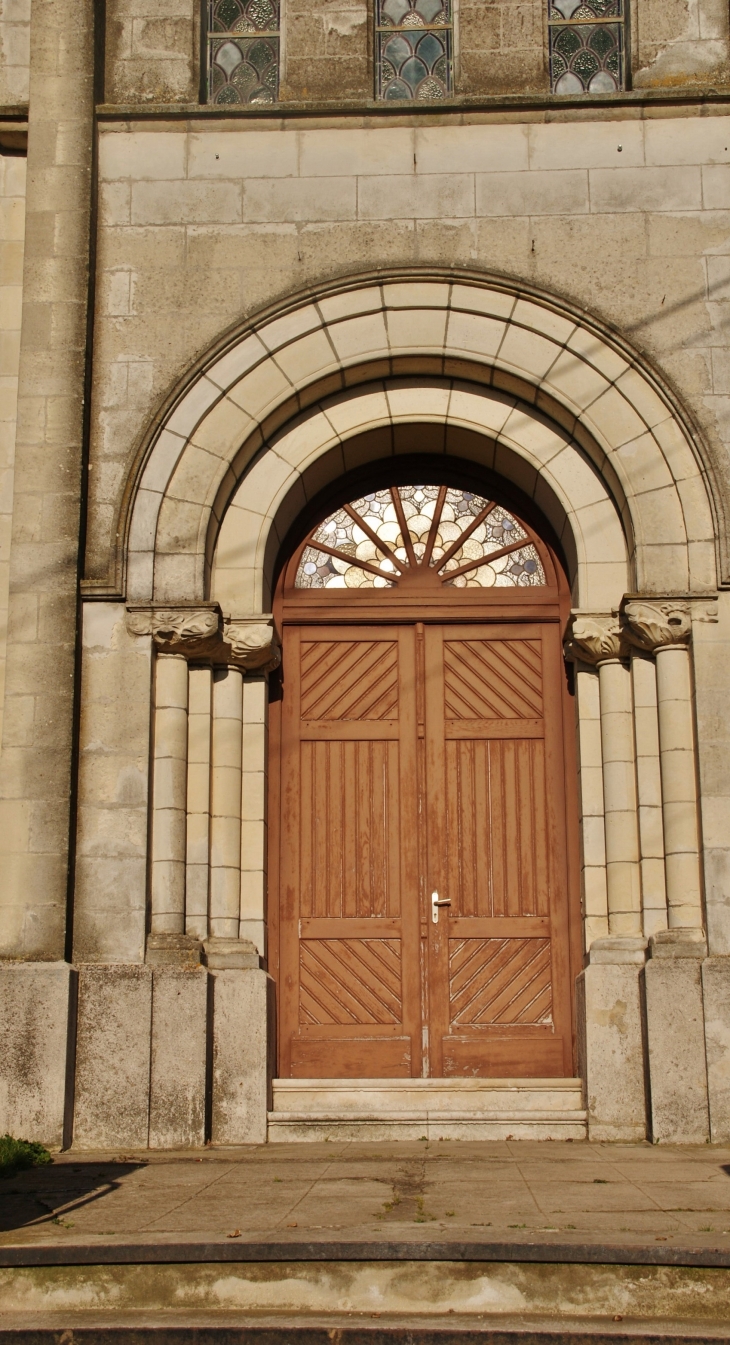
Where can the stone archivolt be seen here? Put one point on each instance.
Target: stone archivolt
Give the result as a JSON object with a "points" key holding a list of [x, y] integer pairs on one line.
{"points": [[204, 633]]}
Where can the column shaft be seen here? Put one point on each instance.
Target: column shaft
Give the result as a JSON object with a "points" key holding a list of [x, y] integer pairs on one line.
{"points": [[225, 821], [679, 788], [623, 875], [649, 788], [595, 898], [35, 776], [169, 794], [198, 830]]}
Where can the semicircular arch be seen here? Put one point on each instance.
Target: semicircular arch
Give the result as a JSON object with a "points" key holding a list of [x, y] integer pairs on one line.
{"points": [[472, 344]]}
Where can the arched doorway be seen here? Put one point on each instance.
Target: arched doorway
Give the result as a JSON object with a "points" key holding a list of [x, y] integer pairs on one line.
{"points": [[422, 785]]}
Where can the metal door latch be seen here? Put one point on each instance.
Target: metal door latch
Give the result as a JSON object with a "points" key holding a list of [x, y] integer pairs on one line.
{"points": [[435, 903]]}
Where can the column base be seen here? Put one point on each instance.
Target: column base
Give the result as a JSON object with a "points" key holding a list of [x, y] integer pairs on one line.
{"points": [[231, 954], [611, 1040], [173, 950], [37, 1011], [676, 1037]]}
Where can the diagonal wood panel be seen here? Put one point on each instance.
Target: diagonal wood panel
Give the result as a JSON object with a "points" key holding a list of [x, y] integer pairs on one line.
{"points": [[350, 981], [349, 680], [493, 679], [500, 981]]}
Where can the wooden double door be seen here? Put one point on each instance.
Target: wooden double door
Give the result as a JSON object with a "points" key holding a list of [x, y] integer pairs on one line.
{"points": [[424, 902]]}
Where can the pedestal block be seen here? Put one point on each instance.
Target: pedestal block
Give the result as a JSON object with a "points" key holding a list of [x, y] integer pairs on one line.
{"points": [[610, 1040], [676, 1038], [243, 1037], [178, 1062], [37, 1009], [716, 998], [113, 1057]]}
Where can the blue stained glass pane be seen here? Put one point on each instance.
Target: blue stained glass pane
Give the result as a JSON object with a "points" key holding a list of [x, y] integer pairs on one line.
{"points": [[397, 50], [394, 11], [429, 9], [397, 91], [228, 57], [413, 72], [429, 49]]}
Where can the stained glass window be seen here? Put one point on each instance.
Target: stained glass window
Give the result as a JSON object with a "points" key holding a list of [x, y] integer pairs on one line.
{"points": [[243, 51], [587, 45], [413, 49], [450, 537]]}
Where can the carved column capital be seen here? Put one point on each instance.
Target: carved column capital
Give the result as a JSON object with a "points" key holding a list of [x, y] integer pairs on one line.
{"points": [[201, 632], [656, 625], [594, 637]]}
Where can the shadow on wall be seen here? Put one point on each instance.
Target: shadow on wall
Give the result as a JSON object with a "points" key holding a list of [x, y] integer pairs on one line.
{"points": [[51, 1195]]}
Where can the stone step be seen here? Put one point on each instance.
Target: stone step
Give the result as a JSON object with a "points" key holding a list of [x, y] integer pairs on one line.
{"points": [[414, 1109]]}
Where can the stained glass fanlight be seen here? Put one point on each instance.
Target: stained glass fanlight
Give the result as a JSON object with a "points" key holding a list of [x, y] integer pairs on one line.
{"points": [[243, 51], [435, 535], [587, 46], [414, 49]]}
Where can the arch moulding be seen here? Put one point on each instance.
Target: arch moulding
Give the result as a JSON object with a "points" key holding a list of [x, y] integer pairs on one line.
{"points": [[502, 374]]}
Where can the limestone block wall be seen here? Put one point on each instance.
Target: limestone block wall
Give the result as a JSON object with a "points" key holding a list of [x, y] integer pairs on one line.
{"points": [[14, 51], [202, 224], [679, 42], [12, 231], [152, 51]]}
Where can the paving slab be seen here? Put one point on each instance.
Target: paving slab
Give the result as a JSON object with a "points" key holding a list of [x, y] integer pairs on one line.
{"points": [[581, 1198]]}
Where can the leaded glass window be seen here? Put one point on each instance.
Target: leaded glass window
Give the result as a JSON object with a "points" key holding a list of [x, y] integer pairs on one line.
{"points": [[243, 51], [450, 537], [587, 46], [413, 49]]}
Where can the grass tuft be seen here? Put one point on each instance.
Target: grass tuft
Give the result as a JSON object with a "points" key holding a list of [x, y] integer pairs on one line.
{"points": [[18, 1154]]}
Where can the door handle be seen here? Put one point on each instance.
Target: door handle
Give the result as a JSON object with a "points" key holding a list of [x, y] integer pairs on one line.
{"points": [[435, 903]]}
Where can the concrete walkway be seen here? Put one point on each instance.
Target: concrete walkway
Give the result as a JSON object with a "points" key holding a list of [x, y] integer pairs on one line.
{"points": [[571, 1194]]}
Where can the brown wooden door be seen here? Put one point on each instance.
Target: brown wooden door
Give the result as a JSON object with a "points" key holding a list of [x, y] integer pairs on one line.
{"points": [[419, 759], [349, 998], [498, 964]]}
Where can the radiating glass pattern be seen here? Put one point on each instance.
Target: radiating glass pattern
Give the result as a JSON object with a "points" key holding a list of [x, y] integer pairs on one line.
{"points": [[414, 49], [243, 51], [455, 538], [587, 46]]}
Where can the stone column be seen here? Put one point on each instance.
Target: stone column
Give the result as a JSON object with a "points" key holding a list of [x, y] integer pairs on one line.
{"points": [[225, 821], [200, 689], [664, 629], [169, 790], [674, 993], [609, 991], [593, 834], [36, 786], [598, 641], [253, 813], [649, 789]]}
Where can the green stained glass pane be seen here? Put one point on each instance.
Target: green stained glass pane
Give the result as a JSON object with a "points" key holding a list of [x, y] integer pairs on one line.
{"points": [[568, 42], [586, 57], [412, 63]]}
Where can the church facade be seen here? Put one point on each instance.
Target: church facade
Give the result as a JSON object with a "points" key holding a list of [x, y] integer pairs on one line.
{"points": [[365, 760]]}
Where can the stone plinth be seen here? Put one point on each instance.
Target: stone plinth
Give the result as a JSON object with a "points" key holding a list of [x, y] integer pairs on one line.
{"points": [[113, 1057], [37, 1003], [716, 997], [676, 1038], [178, 1063], [610, 1037], [243, 1015]]}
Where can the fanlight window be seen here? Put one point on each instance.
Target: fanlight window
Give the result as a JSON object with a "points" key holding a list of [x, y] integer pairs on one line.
{"points": [[435, 534]]}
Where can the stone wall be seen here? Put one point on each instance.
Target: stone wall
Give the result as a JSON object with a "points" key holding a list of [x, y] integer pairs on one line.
{"points": [[203, 224], [14, 51], [12, 228], [152, 51]]}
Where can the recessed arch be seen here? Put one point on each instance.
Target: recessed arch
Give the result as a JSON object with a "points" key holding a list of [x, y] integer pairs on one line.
{"points": [[582, 396]]}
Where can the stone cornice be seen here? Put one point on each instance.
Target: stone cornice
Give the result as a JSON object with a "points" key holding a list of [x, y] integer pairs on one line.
{"points": [[201, 632], [653, 625]]}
